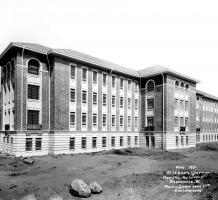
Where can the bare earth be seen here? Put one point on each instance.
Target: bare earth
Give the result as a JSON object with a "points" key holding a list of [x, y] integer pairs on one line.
{"points": [[131, 174]]}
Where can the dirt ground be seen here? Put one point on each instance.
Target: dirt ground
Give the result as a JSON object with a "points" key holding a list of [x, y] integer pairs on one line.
{"points": [[130, 174]]}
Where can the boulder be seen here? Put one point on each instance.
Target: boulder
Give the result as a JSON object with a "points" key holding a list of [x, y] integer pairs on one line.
{"points": [[29, 197], [95, 187], [55, 197], [79, 188], [28, 161]]}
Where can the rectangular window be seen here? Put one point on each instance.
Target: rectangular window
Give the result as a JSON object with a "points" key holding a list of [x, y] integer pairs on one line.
{"points": [[182, 140], [136, 140], [84, 74], [94, 98], [72, 71], [136, 87], [129, 121], [121, 102], [129, 140], [84, 96], [176, 103], [104, 79], [38, 144], [177, 141], [94, 77], [129, 85], [84, 119], [121, 120], [186, 122], [33, 117], [94, 142], [33, 91], [104, 99], [113, 101], [72, 143], [72, 119], [136, 122], [113, 141], [186, 105], [129, 102], [94, 119], [176, 122], [181, 121], [121, 141], [113, 81], [181, 104], [29, 143], [113, 122], [104, 120], [83, 142], [104, 141], [72, 95], [121, 83], [150, 103], [136, 104], [150, 121], [187, 140]]}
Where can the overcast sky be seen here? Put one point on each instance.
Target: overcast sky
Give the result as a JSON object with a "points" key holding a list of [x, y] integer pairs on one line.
{"points": [[181, 35]]}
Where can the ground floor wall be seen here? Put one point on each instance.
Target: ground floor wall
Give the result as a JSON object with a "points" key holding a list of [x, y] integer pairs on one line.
{"points": [[36, 143]]}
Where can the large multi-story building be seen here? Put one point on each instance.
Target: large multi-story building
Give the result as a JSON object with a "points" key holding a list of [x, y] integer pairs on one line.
{"points": [[61, 101]]}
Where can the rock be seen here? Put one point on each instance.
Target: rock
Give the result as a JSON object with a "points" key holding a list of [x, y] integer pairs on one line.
{"points": [[29, 197], [29, 161], [79, 188], [95, 187], [55, 197]]}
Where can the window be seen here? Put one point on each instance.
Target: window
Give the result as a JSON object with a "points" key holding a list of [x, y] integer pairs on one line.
{"points": [[187, 140], [113, 81], [94, 119], [113, 141], [177, 141], [94, 98], [150, 103], [176, 104], [136, 87], [72, 119], [29, 143], [186, 122], [186, 105], [181, 104], [150, 121], [113, 120], [104, 99], [84, 119], [182, 140], [104, 120], [121, 102], [33, 117], [136, 104], [121, 141], [186, 86], [129, 85], [104, 79], [72, 143], [150, 86], [84, 96], [129, 121], [129, 140], [113, 101], [152, 141], [12, 140], [129, 102], [181, 121], [147, 141], [121, 83], [104, 140], [72, 71], [33, 91], [33, 67], [38, 144], [136, 140], [121, 120], [94, 142], [94, 77], [177, 84], [72, 95], [84, 74], [136, 122], [83, 142], [176, 122]]}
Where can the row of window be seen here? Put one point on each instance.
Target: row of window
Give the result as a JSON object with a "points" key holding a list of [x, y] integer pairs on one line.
{"points": [[210, 138], [180, 104], [181, 85], [29, 144], [104, 120], [95, 78], [182, 142], [181, 121], [103, 142]]}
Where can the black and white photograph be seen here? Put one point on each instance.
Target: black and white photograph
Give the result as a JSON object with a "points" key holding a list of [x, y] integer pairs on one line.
{"points": [[109, 100]]}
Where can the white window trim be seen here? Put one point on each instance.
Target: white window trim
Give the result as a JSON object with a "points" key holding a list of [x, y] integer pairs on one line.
{"points": [[93, 77]]}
